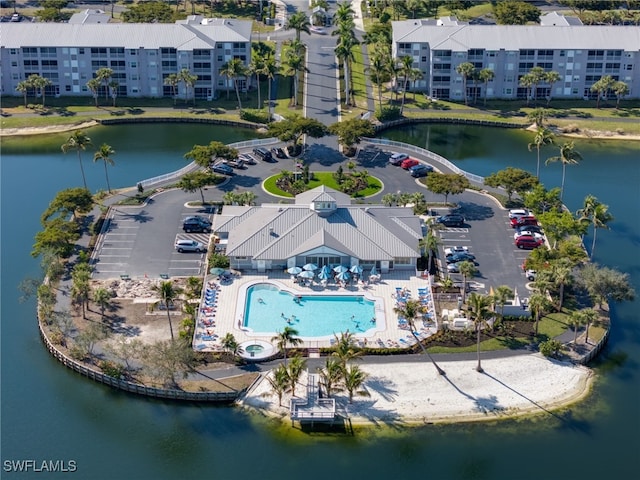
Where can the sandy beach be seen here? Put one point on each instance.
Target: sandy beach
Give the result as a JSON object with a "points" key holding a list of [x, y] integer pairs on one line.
{"points": [[414, 393]]}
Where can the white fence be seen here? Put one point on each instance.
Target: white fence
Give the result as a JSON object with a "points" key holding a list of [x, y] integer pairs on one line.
{"points": [[168, 177], [426, 153]]}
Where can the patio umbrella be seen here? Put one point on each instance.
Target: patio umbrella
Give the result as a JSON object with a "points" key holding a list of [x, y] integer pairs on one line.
{"points": [[217, 271], [306, 274], [326, 269], [294, 270], [310, 266], [325, 274], [343, 276], [357, 269], [340, 269], [373, 271]]}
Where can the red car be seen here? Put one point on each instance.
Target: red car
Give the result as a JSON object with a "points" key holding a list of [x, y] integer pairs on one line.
{"points": [[525, 220], [408, 163], [528, 243]]}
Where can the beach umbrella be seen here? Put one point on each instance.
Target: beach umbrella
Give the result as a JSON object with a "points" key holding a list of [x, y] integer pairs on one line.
{"points": [[357, 269], [326, 268], [217, 271], [324, 274], [310, 266], [373, 271], [340, 269], [343, 276], [306, 274], [294, 270]]}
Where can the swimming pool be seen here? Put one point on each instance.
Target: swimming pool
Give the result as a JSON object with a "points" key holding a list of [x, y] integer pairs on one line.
{"points": [[269, 308]]}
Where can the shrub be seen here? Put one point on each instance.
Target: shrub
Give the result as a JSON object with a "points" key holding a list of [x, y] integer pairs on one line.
{"points": [[550, 348], [388, 113], [111, 369], [253, 115]]}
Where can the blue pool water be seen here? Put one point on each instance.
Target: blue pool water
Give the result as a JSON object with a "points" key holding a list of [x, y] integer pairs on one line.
{"points": [[269, 310]]}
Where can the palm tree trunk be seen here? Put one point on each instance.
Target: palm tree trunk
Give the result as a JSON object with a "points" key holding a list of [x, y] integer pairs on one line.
{"points": [[84, 180], [562, 185], [169, 318], [424, 350], [202, 196], [235, 84], [593, 244], [269, 99], [538, 166], [258, 83], [106, 174], [479, 366]]}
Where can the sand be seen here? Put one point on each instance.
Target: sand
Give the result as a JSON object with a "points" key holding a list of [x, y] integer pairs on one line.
{"points": [[413, 393]]}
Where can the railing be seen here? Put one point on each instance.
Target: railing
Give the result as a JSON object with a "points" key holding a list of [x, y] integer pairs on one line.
{"points": [[167, 177], [426, 153]]}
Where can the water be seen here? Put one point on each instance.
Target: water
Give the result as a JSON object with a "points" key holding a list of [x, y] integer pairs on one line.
{"points": [[49, 412], [268, 310]]}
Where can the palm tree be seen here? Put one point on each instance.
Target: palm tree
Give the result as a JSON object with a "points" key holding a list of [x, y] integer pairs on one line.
{"points": [[288, 336], [168, 293], [551, 78], [501, 295], [354, 378], [621, 89], [104, 153], [41, 83], [294, 370], [94, 86], [23, 87], [172, 80], [467, 270], [256, 67], [234, 69], [410, 311], [590, 315], [526, 81], [576, 320], [478, 308], [406, 66], [102, 298], [538, 304], [602, 86], [465, 69], [585, 214], [600, 218], [345, 348], [543, 137], [330, 374], [279, 381], [377, 72], [271, 69], [536, 75], [568, 156], [562, 277], [293, 65], [103, 75], [298, 22], [189, 80], [113, 90], [429, 243], [344, 52], [78, 141], [486, 75]]}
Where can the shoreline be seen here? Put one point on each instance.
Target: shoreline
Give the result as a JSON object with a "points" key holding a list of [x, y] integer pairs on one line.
{"points": [[413, 394], [26, 131]]}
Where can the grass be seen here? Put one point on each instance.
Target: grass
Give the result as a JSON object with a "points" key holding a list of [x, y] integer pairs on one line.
{"points": [[322, 178]]}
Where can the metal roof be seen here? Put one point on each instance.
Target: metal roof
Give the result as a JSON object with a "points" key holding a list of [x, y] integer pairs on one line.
{"points": [[127, 35], [515, 37]]}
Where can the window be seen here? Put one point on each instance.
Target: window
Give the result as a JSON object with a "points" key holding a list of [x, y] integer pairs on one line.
{"points": [[133, 64], [49, 64], [168, 52], [545, 65], [475, 52], [562, 53], [14, 63], [442, 54], [629, 67], [441, 78], [117, 64], [170, 64], [442, 66], [80, 51], [423, 59], [595, 54], [13, 51], [614, 54], [47, 52], [31, 63], [99, 52], [220, 58], [404, 46], [132, 51], [96, 64], [117, 52]]}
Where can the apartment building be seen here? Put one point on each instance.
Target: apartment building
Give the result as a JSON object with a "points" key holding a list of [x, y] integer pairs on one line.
{"points": [[580, 54], [140, 55]]}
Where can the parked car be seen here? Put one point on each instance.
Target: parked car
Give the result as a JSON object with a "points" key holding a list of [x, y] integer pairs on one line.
{"points": [[409, 162], [397, 158], [196, 224], [518, 212], [454, 267], [189, 246], [460, 257], [525, 220], [263, 154], [248, 158], [318, 30], [236, 163], [420, 170], [530, 274], [221, 167], [451, 220], [456, 249], [530, 228], [527, 243], [278, 152], [528, 233]]}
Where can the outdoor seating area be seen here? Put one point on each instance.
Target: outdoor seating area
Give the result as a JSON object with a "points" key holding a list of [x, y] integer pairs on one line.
{"points": [[425, 324], [206, 324], [339, 275]]}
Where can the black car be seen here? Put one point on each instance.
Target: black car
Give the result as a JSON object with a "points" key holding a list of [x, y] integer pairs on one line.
{"points": [[278, 152], [263, 154], [451, 220], [460, 257], [222, 168], [529, 228], [196, 224]]}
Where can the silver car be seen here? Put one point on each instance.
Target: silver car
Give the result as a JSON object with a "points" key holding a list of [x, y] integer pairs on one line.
{"points": [[189, 246]]}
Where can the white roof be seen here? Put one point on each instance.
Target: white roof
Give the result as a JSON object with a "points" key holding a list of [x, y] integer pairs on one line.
{"points": [[127, 35], [515, 37], [90, 16], [555, 19]]}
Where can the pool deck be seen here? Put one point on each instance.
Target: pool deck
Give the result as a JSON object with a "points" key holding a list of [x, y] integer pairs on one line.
{"points": [[226, 316]]}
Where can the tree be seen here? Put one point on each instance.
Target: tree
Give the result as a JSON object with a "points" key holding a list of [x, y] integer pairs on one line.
{"points": [[58, 237], [515, 13], [620, 88], [168, 294], [543, 137], [478, 310], [568, 156], [113, 90], [465, 69], [406, 66], [229, 344], [353, 379], [447, 183], [539, 304], [103, 75], [148, 12], [279, 381], [606, 284], [41, 84], [298, 22], [486, 75], [271, 69], [538, 116], [67, 202], [589, 315], [526, 82], [429, 243], [293, 64], [576, 320], [294, 370], [79, 142], [233, 70], [86, 341], [540, 200], [603, 86], [80, 286], [288, 336], [125, 350], [601, 217], [350, 132], [102, 298], [94, 86], [293, 127], [378, 72], [512, 180], [561, 274], [550, 348], [467, 270], [164, 360], [344, 52], [551, 78], [104, 153], [330, 375], [23, 87], [410, 310], [172, 80], [345, 348], [501, 295], [192, 181], [557, 225], [189, 80]]}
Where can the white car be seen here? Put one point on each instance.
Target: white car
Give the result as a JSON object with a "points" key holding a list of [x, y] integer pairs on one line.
{"points": [[530, 274], [456, 249], [518, 212], [397, 158], [189, 246], [528, 233], [318, 30]]}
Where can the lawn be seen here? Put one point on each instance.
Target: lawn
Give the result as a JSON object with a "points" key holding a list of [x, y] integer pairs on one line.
{"points": [[322, 178]]}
